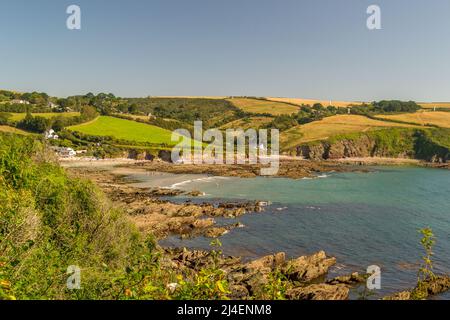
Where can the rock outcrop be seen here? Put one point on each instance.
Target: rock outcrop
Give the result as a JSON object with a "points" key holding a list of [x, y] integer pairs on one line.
{"points": [[307, 268], [320, 291], [429, 287], [389, 143]]}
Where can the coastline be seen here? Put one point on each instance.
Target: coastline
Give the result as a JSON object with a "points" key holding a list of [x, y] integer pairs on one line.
{"points": [[153, 211]]}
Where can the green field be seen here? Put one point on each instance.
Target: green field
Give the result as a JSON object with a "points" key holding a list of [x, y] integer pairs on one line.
{"points": [[125, 130], [20, 116]]}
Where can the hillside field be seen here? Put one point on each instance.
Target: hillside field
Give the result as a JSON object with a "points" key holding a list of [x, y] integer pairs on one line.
{"points": [[20, 116], [440, 119], [13, 130], [325, 103], [125, 130], [247, 123], [431, 105], [263, 106], [332, 126]]}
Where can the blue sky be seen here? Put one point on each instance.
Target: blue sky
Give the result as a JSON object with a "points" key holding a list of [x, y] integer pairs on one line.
{"points": [[313, 49]]}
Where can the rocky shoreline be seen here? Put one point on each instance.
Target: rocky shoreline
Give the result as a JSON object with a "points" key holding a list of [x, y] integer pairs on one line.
{"points": [[289, 168], [302, 278], [164, 218]]}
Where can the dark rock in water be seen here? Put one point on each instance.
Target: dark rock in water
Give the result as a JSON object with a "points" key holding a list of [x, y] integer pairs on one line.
{"points": [[195, 193], [437, 285], [404, 295], [430, 287], [351, 279], [320, 291], [164, 192], [307, 268], [216, 232]]}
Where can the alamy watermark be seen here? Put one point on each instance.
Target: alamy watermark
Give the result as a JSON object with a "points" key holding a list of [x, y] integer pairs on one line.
{"points": [[241, 147], [73, 22], [74, 279], [374, 19], [374, 280]]}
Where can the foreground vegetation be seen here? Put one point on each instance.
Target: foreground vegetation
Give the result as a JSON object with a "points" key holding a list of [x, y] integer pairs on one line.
{"points": [[50, 221]]}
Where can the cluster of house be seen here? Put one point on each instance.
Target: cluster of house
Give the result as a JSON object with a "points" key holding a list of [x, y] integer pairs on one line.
{"points": [[62, 152], [20, 101], [67, 152]]}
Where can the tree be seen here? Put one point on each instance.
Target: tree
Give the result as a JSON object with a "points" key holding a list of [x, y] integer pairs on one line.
{"points": [[88, 113], [4, 118]]}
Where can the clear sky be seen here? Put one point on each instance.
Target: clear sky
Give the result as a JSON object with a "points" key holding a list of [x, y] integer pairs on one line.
{"points": [[312, 49]]}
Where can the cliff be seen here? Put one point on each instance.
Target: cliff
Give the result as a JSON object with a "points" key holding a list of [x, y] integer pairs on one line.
{"points": [[430, 145]]}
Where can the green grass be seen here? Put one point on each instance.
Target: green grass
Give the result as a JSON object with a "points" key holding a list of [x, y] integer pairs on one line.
{"points": [[125, 130], [20, 116]]}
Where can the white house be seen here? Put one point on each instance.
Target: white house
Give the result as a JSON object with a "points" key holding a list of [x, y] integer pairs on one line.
{"points": [[50, 134], [65, 152], [18, 101], [53, 105]]}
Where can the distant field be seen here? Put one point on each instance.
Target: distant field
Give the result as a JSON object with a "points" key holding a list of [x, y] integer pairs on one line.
{"points": [[262, 106], [326, 103], [133, 116], [441, 119], [250, 123], [125, 129], [13, 130], [193, 97], [431, 105], [331, 126], [20, 116]]}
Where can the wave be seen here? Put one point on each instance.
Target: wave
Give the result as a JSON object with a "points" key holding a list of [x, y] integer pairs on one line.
{"points": [[204, 179]]}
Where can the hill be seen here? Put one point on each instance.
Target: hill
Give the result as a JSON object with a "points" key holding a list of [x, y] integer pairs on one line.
{"points": [[332, 126], [263, 106], [440, 119], [438, 105], [13, 130], [247, 123], [125, 130], [47, 115], [325, 103]]}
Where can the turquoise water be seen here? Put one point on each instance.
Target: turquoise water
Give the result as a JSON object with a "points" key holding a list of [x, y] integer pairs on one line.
{"points": [[360, 218]]}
